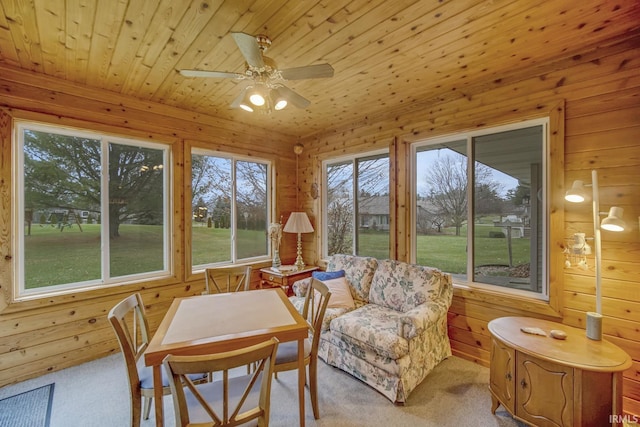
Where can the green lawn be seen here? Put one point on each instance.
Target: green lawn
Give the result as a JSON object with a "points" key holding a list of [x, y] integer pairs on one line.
{"points": [[214, 244], [54, 257], [448, 252]]}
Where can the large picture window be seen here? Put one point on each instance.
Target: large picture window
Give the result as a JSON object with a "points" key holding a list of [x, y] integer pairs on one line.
{"points": [[93, 209], [479, 207], [356, 206], [230, 205]]}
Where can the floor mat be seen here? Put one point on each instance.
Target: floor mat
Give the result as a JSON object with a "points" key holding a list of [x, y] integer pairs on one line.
{"points": [[29, 409]]}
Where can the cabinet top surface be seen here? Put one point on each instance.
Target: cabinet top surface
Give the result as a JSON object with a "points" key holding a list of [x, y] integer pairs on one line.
{"points": [[577, 350], [289, 270]]}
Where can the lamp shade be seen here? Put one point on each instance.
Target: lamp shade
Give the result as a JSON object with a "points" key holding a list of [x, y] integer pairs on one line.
{"points": [[298, 222], [614, 222], [576, 194]]}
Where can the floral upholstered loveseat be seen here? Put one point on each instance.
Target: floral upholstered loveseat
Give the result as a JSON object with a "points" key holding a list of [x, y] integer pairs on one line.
{"points": [[395, 332]]}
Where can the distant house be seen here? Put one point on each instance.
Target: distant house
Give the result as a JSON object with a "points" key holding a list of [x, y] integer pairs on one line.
{"points": [[428, 217], [374, 212]]}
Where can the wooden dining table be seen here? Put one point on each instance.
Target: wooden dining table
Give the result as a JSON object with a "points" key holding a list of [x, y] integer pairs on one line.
{"points": [[222, 322]]}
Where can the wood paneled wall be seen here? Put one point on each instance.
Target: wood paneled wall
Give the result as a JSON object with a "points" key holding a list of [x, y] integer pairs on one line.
{"points": [[48, 334], [601, 90]]}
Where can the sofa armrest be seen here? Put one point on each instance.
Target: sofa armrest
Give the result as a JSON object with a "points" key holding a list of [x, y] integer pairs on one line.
{"points": [[300, 287], [417, 320]]}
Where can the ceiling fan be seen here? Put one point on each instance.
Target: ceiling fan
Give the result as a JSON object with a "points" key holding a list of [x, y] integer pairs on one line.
{"points": [[265, 89]]}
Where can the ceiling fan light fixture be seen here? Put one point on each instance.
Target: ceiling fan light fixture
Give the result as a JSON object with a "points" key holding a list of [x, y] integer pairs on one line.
{"points": [[245, 104], [265, 91], [258, 95], [279, 101], [280, 104], [246, 107], [257, 99]]}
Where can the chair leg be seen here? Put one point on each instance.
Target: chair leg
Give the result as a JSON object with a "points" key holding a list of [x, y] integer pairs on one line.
{"points": [[136, 405], [313, 387], [147, 407]]}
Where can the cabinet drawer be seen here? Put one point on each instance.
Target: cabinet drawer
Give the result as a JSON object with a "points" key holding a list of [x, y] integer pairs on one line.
{"points": [[273, 279]]}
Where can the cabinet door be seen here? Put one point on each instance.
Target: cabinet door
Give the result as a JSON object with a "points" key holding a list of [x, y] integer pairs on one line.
{"points": [[544, 392], [502, 374]]}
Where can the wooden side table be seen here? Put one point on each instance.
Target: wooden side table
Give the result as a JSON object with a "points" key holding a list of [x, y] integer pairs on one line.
{"points": [[284, 277], [545, 381]]}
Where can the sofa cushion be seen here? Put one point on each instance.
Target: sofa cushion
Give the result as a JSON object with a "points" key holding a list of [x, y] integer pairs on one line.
{"points": [[358, 271], [327, 275], [340, 293], [402, 286], [329, 315], [374, 327]]}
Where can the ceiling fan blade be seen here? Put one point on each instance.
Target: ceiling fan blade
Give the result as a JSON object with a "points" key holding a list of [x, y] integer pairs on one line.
{"points": [[217, 74], [308, 72], [236, 102], [293, 98], [250, 49]]}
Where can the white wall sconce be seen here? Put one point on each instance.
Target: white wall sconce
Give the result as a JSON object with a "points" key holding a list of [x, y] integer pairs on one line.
{"points": [[612, 222], [576, 251]]}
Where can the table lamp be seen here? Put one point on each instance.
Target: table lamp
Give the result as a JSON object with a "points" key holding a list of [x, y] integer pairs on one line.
{"points": [[298, 222]]}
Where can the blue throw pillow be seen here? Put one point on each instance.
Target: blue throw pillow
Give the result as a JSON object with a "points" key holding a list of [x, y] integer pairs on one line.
{"points": [[327, 275]]}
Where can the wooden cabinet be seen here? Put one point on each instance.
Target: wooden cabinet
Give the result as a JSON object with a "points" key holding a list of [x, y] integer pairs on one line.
{"points": [[284, 277], [547, 382], [545, 393], [502, 377]]}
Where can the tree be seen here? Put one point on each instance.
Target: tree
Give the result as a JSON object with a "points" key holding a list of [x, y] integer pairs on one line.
{"points": [[251, 192], [65, 172], [211, 183], [135, 186], [211, 187], [486, 197], [339, 208], [516, 195], [372, 177], [448, 188], [447, 181]]}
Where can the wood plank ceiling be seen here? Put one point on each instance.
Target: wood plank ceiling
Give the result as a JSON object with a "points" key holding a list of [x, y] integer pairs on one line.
{"points": [[388, 56]]}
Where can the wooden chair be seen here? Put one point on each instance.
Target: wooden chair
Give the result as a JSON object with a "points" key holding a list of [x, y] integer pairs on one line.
{"points": [[231, 401], [129, 322], [228, 279], [315, 306]]}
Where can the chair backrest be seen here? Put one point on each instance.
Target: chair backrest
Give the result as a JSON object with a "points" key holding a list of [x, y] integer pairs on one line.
{"points": [[227, 279], [222, 402], [129, 322], [315, 306]]}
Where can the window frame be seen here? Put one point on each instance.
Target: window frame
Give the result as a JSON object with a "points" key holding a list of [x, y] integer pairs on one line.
{"points": [[19, 293], [546, 301], [354, 222], [190, 269]]}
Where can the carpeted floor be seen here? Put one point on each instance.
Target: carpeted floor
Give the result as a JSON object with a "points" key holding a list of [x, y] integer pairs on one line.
{"points": [[31, 408], [95, 394]]}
